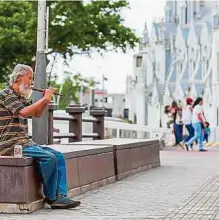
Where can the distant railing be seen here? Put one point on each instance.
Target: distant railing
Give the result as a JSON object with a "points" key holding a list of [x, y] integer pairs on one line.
{"points": [[75, 123], [126, 130]]}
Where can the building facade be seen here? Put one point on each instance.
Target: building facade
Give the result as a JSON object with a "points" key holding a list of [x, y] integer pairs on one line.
{"points": [[178, 59], [113, 102]]}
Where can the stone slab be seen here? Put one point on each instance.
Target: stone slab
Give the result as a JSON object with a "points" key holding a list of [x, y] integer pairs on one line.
{"points": [[85, 165], [77, 150], [21, 208], [26, 208], [18, 162], [126, 174], [89, 165], [129, 154], [118, 142], [154, 194], [19, 185]]}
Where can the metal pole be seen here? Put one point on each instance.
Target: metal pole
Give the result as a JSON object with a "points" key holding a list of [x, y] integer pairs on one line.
{"points": [[103, 90], [81, 94], [40, 126], [93, 98]]}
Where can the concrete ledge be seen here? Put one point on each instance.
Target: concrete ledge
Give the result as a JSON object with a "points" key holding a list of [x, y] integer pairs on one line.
{"points": [[80, 190], [25, 208], [130, 155], [137, 170], [18, 162], [89, 165]]}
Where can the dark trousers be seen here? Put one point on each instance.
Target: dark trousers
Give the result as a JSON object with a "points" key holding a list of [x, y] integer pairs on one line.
{"points": [[191, 132], [205, 137], [178, 132]]}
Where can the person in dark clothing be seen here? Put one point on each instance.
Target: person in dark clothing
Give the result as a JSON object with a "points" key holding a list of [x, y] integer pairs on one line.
{"points": [[187, 120], [176, 113], [206, 132]]}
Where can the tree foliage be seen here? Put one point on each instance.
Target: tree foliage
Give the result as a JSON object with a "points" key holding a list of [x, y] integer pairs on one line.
{"points": [[17, 35], [74, 27], [71, 88]]}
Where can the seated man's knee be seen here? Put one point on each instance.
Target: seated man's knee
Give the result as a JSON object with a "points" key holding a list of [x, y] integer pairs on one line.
{"points": [[51, 157], [59, 156]]}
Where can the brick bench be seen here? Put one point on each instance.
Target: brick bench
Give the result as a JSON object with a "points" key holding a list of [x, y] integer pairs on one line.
{"points": [[90, 164], [130, 155], [88, 167]]}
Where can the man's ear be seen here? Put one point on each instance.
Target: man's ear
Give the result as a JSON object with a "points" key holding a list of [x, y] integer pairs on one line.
{"points": [[18, 80]]}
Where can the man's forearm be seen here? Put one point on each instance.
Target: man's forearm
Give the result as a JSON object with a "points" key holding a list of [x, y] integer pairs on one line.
{"points": [[31, 110], [41, 109]]}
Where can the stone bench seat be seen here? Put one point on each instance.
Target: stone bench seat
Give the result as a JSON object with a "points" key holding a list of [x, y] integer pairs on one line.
{"points": [[88, 167], [130, 155], [90, 164]]}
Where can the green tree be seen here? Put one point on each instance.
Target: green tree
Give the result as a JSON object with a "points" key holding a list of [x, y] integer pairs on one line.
{"points": [[74, 27], [17, 35], [2, 86], [70, 89]]}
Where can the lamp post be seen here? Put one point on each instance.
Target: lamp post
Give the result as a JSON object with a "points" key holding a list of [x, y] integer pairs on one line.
{"points": [[93, 94], [40, 126], [103, 89]]}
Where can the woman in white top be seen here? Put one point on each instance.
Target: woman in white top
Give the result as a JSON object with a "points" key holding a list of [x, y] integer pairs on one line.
{"points": [[198, 120], [187, 120]]}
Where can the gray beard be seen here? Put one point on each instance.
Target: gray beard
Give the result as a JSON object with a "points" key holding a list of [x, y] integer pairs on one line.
{"points": [[25, 93]]}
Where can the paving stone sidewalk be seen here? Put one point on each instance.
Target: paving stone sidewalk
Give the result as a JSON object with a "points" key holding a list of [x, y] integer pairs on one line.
{"points": [[186, 186]]}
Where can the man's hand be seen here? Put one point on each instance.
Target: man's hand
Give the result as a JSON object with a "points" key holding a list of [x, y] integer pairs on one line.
{"points": [[37, 108], [48, 94]]}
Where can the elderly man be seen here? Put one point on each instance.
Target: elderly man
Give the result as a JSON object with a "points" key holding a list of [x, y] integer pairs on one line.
{"points": [[14, 110]]}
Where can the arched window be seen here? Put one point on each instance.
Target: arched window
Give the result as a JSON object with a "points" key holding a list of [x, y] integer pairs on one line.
{"points": [[207, 65], [181, 67], [194, 64], [193, 53], [157, 66], [205, 51]]}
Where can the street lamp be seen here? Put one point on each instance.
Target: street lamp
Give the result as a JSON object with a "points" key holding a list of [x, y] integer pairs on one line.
{"points": [[93, 94], [40, 126], [103, 88]]}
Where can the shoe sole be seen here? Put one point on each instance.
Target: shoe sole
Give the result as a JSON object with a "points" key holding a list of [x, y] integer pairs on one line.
{"points": [[181, 145], [67, 206]]}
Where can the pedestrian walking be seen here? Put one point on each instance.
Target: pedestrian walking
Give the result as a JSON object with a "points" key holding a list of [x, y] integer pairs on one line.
{"points": [[206, 132], [198, 122], [187, 121]]}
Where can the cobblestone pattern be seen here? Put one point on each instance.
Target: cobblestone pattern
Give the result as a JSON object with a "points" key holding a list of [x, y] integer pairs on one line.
{"points": [[178, 183], [203, 204]]}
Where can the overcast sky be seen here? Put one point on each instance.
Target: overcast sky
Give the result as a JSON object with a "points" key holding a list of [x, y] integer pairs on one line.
{"points": [[116, 66]]}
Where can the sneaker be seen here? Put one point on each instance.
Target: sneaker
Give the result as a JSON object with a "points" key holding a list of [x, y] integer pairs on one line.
{"points": [[202, 150], [181, 145], [64, 203], [187, 146], [48, 201]]}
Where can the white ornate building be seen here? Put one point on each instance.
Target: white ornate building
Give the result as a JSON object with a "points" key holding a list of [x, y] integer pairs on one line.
{"points": [[180, 58]]}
